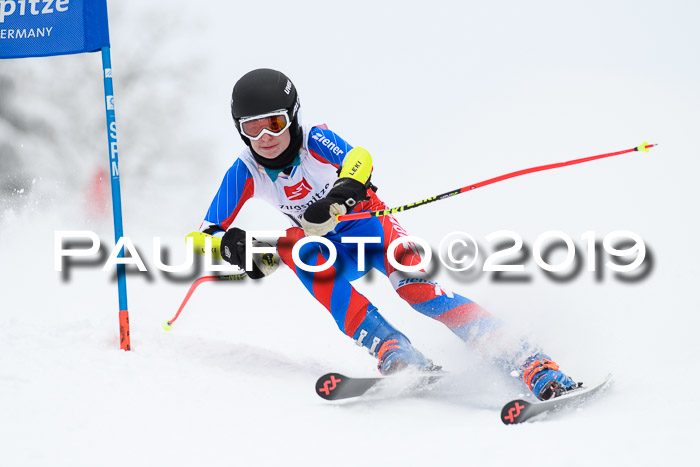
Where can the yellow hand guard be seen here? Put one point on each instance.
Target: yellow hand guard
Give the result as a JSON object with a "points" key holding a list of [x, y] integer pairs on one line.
{"points": [[199, 239], [357, 165]]}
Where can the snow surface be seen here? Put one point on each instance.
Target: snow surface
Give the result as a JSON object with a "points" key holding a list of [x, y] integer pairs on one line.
{"points": [[517, 84]]}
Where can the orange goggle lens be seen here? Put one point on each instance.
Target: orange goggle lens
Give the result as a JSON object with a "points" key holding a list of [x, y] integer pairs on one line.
{"points": [[274, 124]]}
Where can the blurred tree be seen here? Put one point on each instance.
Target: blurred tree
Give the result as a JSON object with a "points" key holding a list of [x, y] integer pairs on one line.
{"points": [[52, 124]]}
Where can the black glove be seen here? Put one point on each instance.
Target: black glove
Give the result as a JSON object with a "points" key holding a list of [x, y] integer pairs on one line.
{"points": [[320, 217], [233, 250]]}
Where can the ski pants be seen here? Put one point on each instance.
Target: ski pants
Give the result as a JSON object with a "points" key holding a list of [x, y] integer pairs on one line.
{"points": [[333, 289]]}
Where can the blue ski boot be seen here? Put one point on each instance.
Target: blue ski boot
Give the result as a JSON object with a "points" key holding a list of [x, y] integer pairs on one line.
{"points": [[390, 346], [545, 380]]}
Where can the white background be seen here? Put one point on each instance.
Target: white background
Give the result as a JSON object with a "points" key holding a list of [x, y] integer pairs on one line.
{"points": [[443, 94]]}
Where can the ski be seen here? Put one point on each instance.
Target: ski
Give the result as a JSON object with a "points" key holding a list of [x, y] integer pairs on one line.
{"points": [[334, 386], [518, 411]]}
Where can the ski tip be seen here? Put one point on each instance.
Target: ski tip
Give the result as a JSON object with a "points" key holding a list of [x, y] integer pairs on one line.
{"points": [[607, 381], [328, 383], [513, 412]]}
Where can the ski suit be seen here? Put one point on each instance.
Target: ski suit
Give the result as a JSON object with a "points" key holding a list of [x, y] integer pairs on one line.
{"points": [[291, 192]]}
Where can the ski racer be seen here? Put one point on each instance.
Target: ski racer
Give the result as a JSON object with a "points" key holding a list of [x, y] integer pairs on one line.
{"points": [[312, 175]]}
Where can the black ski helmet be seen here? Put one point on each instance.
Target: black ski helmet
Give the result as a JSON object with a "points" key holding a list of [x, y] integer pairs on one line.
{"points": [[262, 91]]}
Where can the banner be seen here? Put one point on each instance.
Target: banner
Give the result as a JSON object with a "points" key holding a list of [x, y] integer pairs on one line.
{"points": [[38, 28]]}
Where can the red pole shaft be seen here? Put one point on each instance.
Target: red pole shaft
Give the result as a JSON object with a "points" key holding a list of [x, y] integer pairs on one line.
{"points": [[201, 280], [367, 214], [193, 287], [541, 168]]}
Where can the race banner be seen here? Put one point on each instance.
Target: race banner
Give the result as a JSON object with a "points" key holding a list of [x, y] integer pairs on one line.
{"points": [[38, 28]]}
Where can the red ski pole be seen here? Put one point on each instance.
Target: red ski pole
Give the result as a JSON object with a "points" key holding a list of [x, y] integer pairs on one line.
{"points": [[168, 324], [644, 147]]}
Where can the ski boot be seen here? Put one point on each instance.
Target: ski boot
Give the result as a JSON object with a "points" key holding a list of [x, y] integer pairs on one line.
{"points": [[393, 350], [545, 380]]}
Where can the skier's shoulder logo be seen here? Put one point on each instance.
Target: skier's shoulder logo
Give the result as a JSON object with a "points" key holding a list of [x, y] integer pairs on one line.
{"points": [[298, 191]]}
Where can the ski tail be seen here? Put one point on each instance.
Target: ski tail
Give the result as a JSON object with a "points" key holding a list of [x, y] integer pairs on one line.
{"points": [[334, 386], [519, 410]]}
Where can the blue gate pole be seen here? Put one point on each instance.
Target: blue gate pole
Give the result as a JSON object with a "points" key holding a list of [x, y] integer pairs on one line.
{"points": [[124, 336]]}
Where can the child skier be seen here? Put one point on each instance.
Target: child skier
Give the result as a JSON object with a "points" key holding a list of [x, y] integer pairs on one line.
{"points": [[312, 175]]}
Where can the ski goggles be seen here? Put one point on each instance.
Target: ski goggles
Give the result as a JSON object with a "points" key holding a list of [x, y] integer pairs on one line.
{"points": [[273, 124]]}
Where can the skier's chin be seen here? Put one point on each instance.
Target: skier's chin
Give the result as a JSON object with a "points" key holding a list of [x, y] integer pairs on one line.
{"points": [[270, 153]]}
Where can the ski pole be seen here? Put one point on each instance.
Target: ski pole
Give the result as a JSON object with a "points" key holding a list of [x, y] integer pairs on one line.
{"points": [[168, 324], [644, 147]]}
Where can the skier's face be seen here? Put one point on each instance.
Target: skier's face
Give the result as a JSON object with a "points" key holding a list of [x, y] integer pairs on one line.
{"points": [[269, 146]]}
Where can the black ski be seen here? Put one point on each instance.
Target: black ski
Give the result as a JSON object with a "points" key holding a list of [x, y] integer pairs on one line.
{"points": [[334, 386], [519, 410]]}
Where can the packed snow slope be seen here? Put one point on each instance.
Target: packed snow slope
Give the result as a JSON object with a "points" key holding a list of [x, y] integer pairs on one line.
{"points": [[443, 95]]}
